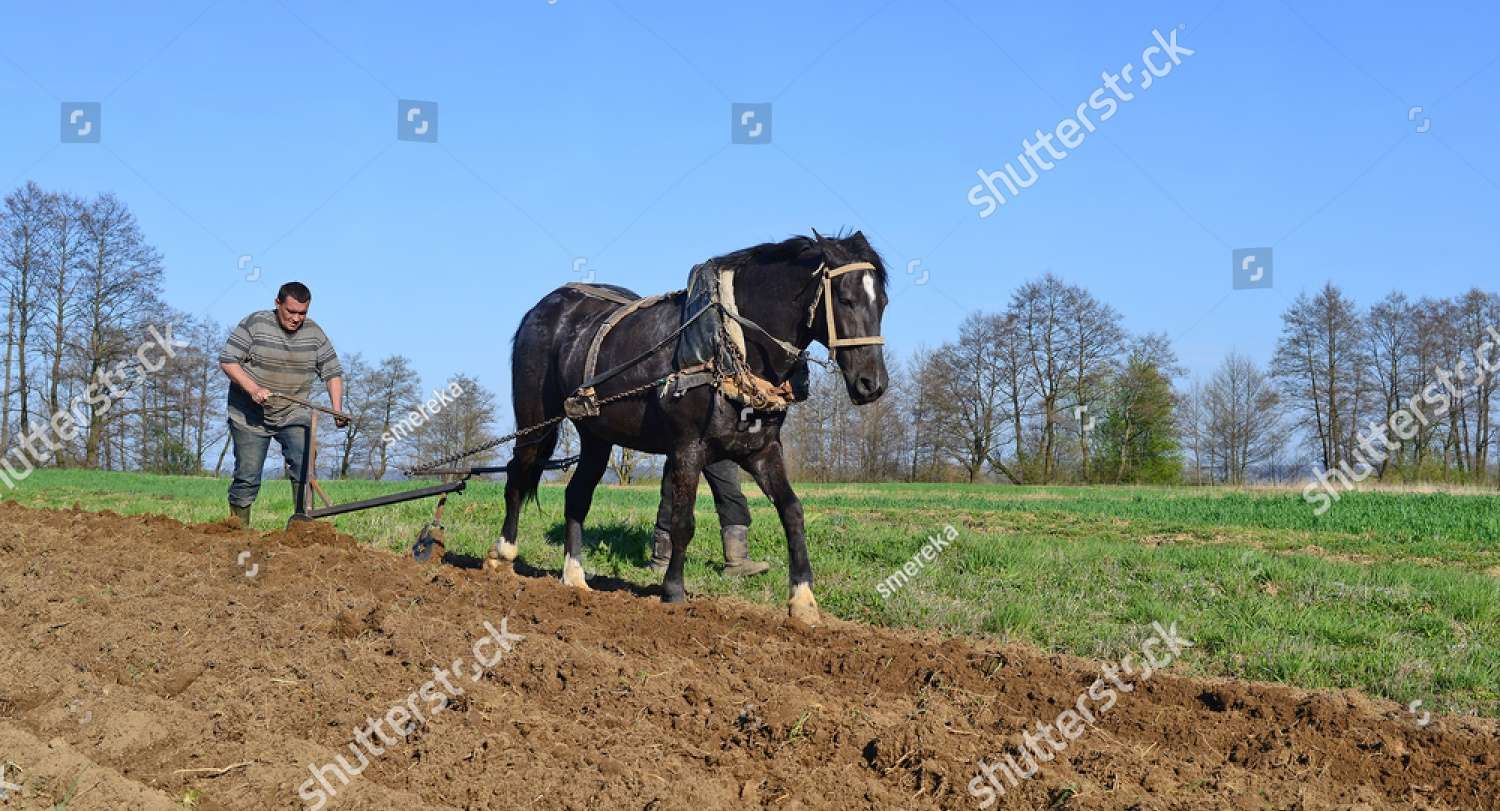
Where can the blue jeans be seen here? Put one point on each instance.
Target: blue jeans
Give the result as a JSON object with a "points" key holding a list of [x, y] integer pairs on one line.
{"points": [[250, 447]]}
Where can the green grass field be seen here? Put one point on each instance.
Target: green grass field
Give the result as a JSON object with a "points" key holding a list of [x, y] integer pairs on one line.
{"points": [[1394, 594]]}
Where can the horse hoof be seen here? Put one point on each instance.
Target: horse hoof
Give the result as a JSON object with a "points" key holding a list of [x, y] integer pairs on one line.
{"points": [[673, 594], [572, 575], [802, 606], [494, 565], [506, 550]]}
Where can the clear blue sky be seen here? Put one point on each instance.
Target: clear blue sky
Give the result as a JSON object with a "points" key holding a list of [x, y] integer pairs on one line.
{"points": [[599, 129]]}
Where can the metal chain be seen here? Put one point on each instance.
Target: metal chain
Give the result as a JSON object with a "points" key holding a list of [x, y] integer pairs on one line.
{"points": [[530, 429]]}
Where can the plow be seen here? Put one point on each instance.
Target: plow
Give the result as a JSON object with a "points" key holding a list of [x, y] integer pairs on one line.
{"points": [[430, 543]]}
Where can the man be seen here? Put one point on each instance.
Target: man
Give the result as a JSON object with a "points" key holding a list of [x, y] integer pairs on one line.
{"points": [[272, 352], [734, 521]]}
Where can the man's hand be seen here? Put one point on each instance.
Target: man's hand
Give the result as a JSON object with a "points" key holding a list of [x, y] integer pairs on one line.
{"points": [[341, 422], [260, 394]]}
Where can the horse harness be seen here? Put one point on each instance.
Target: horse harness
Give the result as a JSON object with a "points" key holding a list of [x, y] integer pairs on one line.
{"points": [[727, 369], [741, 386]]}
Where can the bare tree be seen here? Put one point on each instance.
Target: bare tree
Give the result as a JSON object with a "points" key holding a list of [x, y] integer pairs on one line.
{"points": [[391, 392], [120, 278], [1241, 420], [1390, 332], [1094, 339], [26, 244], [969, 406], [1319, 364], [465, 421], [60, 284], [1041, 318]]}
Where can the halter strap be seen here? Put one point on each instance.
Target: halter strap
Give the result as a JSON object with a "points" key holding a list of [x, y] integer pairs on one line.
{"points": [[826, 294]]}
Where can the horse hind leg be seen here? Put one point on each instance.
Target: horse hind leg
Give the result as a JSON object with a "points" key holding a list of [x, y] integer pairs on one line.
{"points": [[592, 462], [522, 477]]}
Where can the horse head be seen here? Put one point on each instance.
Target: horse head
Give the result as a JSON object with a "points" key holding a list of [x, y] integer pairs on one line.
{"points": [[848, 312]]}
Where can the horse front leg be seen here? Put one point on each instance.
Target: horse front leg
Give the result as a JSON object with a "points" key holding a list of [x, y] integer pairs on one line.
{"points": [[769, 469], [592, 462], [686, 465]]}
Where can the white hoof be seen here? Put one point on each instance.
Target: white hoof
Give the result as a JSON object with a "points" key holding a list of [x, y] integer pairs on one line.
{"points": [[573, 575], [802, 606], [506, 550]]}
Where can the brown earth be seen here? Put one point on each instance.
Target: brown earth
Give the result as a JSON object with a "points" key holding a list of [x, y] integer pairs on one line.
{"points": [[143, 668]]}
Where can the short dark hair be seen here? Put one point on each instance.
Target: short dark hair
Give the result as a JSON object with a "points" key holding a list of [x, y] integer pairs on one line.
{"points": [[296, 290]]}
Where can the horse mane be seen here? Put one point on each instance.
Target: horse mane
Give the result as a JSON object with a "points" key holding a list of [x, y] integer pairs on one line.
{"points": [[851, 248]]}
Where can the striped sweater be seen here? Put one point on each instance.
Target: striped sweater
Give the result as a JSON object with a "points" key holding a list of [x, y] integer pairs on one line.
{"points": [[284, 362]]}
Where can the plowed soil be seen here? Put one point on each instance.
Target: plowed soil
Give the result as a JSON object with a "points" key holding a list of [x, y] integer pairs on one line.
{"points": [[143, 667]]}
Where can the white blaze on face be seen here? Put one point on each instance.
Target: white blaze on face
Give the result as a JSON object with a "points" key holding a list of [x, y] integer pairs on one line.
{"points": [[870, 286]]}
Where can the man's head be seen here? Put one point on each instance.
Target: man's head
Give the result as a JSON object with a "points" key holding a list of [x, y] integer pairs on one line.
{"points": [[292, 301]]}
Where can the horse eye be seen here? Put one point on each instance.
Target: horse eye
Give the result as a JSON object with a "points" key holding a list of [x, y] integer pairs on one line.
{"points": [[846, 301]]}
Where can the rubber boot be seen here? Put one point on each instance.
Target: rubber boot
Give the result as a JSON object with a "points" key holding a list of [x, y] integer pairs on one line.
{"points": [[737, 562], [240, 515], [661, 553]]}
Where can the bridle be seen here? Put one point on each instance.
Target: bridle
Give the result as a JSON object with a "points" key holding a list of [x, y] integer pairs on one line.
{"points": [[825, 292]]}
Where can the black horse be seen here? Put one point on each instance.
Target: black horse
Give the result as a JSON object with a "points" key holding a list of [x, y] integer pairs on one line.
{"points": [[785, 294]]}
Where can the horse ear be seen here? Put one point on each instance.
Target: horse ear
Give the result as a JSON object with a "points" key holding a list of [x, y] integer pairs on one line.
{"points": [[824, 243]]}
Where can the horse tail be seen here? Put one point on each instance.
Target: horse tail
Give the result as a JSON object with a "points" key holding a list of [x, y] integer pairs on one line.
{"points": [[531, 362]]}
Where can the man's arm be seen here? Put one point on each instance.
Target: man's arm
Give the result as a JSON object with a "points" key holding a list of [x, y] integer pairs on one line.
{"points": [[336, 397], [237, 374], [331, 372]]}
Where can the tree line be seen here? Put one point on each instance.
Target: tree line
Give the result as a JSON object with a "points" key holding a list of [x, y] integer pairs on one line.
{"points": [[1051, 389]]}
